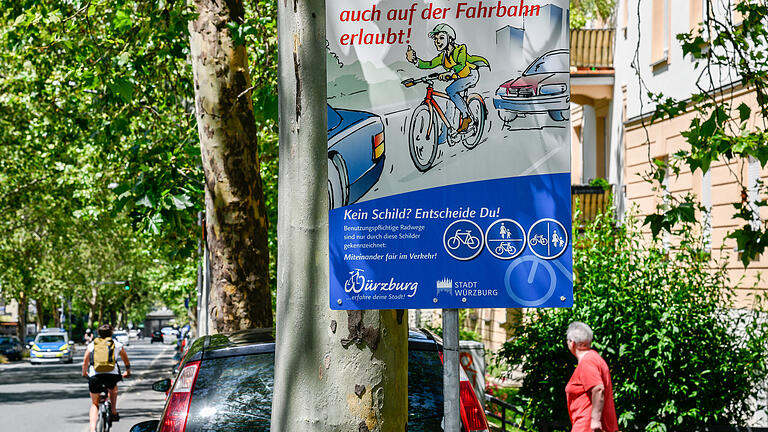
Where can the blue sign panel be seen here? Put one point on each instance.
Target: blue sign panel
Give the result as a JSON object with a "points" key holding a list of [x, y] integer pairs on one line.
{"points": [[412, 251], [449, 154]]}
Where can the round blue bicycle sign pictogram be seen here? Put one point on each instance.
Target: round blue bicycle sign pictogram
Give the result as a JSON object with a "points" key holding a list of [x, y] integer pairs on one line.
{"points": [[547, 238], [463, 240], [505, 239]]}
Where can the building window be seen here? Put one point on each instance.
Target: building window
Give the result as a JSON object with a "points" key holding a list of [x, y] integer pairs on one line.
{"points": [[625, 17], [696, 13], [660, 33]]}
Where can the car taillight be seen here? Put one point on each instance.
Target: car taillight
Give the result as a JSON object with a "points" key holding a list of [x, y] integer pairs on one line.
{"points": [[472, 413], [175, 419], [378, 145]]}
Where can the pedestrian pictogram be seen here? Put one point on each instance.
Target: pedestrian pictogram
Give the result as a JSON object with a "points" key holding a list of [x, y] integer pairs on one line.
{"points": [[505, 239], [547, 239]]}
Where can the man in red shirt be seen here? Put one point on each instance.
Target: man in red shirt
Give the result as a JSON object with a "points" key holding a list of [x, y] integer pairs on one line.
{"points": [[589, 392]]}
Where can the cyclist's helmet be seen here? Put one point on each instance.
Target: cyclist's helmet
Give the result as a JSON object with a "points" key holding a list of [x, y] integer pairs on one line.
{"points": [[444, 28]]}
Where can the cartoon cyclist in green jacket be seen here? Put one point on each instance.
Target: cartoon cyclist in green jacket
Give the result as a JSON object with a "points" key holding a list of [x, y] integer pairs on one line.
{"points": [[461, 68]]}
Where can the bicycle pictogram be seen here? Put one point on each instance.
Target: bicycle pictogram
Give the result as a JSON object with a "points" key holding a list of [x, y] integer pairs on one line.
{"points": [[505, 239], [463, 240], [505, 248], [548, 238], [356, 281]]}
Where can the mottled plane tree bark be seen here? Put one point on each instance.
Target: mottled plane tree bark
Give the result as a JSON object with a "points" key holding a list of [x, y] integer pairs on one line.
{"points": [[334, 370], [234, 199]]}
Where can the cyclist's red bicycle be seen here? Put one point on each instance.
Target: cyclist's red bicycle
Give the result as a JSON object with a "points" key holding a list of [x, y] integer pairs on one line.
{"points": [[424, 132]]}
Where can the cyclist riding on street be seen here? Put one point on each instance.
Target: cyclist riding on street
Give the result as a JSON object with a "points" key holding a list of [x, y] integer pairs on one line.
{"points": [[100, 366], [460, 67]]}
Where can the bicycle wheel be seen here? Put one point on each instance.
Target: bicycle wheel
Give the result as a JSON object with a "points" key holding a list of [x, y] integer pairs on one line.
{"points": [[473, 242], [101, 420], [422, 138], [453, 242], [477, 109]]}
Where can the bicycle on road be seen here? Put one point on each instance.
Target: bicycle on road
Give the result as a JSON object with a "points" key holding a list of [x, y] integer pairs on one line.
{"points": [[104, 419], [427, 118], [463, 238]]}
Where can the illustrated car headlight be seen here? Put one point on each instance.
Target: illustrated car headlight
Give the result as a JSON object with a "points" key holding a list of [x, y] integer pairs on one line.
{"points": [[553, 89]]}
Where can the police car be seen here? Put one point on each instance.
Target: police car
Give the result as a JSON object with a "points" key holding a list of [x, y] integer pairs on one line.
{"points": [[52, 346]]}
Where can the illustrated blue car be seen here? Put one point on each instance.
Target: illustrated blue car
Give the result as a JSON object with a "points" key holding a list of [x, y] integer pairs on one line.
{"points": [[355, 154], [52, 346]]}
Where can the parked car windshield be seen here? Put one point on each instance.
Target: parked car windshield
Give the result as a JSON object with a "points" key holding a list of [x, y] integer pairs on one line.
{"points": [[233, 394], [552, 63], [50, 338]]}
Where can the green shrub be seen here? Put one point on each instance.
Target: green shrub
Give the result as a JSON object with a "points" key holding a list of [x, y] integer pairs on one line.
{"points": [[664, 324]]}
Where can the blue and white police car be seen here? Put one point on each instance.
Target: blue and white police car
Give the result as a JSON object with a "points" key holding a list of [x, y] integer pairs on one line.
{"points": [[52, 346]]}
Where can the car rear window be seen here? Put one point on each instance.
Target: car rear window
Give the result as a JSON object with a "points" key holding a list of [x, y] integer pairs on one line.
{"points": [[425, 391], [233, 394]]}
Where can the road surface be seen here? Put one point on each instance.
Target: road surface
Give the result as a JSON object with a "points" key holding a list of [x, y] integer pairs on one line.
{"points": [[55, 396]]}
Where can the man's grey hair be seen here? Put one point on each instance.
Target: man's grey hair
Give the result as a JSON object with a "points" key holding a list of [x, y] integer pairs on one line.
{"points": [[579, 333]]}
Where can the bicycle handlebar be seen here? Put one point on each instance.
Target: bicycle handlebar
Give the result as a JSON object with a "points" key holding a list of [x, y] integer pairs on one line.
{"points": [[410, 82]]}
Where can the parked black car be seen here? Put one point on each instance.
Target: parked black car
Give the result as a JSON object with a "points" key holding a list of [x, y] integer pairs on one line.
{"points": [[157, 336], [11, 347], [225, 383]]}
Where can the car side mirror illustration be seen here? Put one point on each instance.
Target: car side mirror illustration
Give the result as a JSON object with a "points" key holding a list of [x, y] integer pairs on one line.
{"points": [[71, 342], [161, 386]]}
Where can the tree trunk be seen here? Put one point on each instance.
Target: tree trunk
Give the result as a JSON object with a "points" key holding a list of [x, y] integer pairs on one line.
{"points": [[39, 314], [23, 306], [321, 385], [92, 305], [56, 316], [236, 218]]}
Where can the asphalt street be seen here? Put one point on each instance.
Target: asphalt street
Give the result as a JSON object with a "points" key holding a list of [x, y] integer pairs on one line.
{"points": [[55, 396]]}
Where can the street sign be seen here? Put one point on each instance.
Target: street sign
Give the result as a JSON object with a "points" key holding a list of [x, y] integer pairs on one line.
{"points": [[449, 154]]}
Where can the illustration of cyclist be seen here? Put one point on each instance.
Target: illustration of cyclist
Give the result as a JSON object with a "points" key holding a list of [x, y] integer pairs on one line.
{"points": [[461, 68]]}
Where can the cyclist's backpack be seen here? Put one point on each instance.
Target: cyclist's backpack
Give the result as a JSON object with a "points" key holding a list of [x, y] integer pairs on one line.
{"points": [[103, 359]]}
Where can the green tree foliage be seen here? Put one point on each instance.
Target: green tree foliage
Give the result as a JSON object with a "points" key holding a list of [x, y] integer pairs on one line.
{"points": [[100, 172], [585, 11], [729, 53], [99, 162], [678, 355]]}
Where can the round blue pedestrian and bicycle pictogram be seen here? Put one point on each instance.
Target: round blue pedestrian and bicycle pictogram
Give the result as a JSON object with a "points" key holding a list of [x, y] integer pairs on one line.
{"points": [[463, 239], [505, 239], [547, 239]]}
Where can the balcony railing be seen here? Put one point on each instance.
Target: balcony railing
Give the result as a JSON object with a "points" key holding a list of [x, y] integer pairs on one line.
{"points": [[592, 48], [593, 200]]}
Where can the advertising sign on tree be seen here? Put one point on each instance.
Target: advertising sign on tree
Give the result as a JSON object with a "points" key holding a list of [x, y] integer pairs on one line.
{"points": [[449, 154]]}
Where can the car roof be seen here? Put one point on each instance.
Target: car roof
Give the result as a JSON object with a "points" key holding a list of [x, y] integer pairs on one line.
{"points": [[53, 330], [262, 340]]}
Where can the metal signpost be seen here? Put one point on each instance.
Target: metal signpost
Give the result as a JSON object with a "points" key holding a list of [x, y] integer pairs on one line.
{"points": [[449, 159]]}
